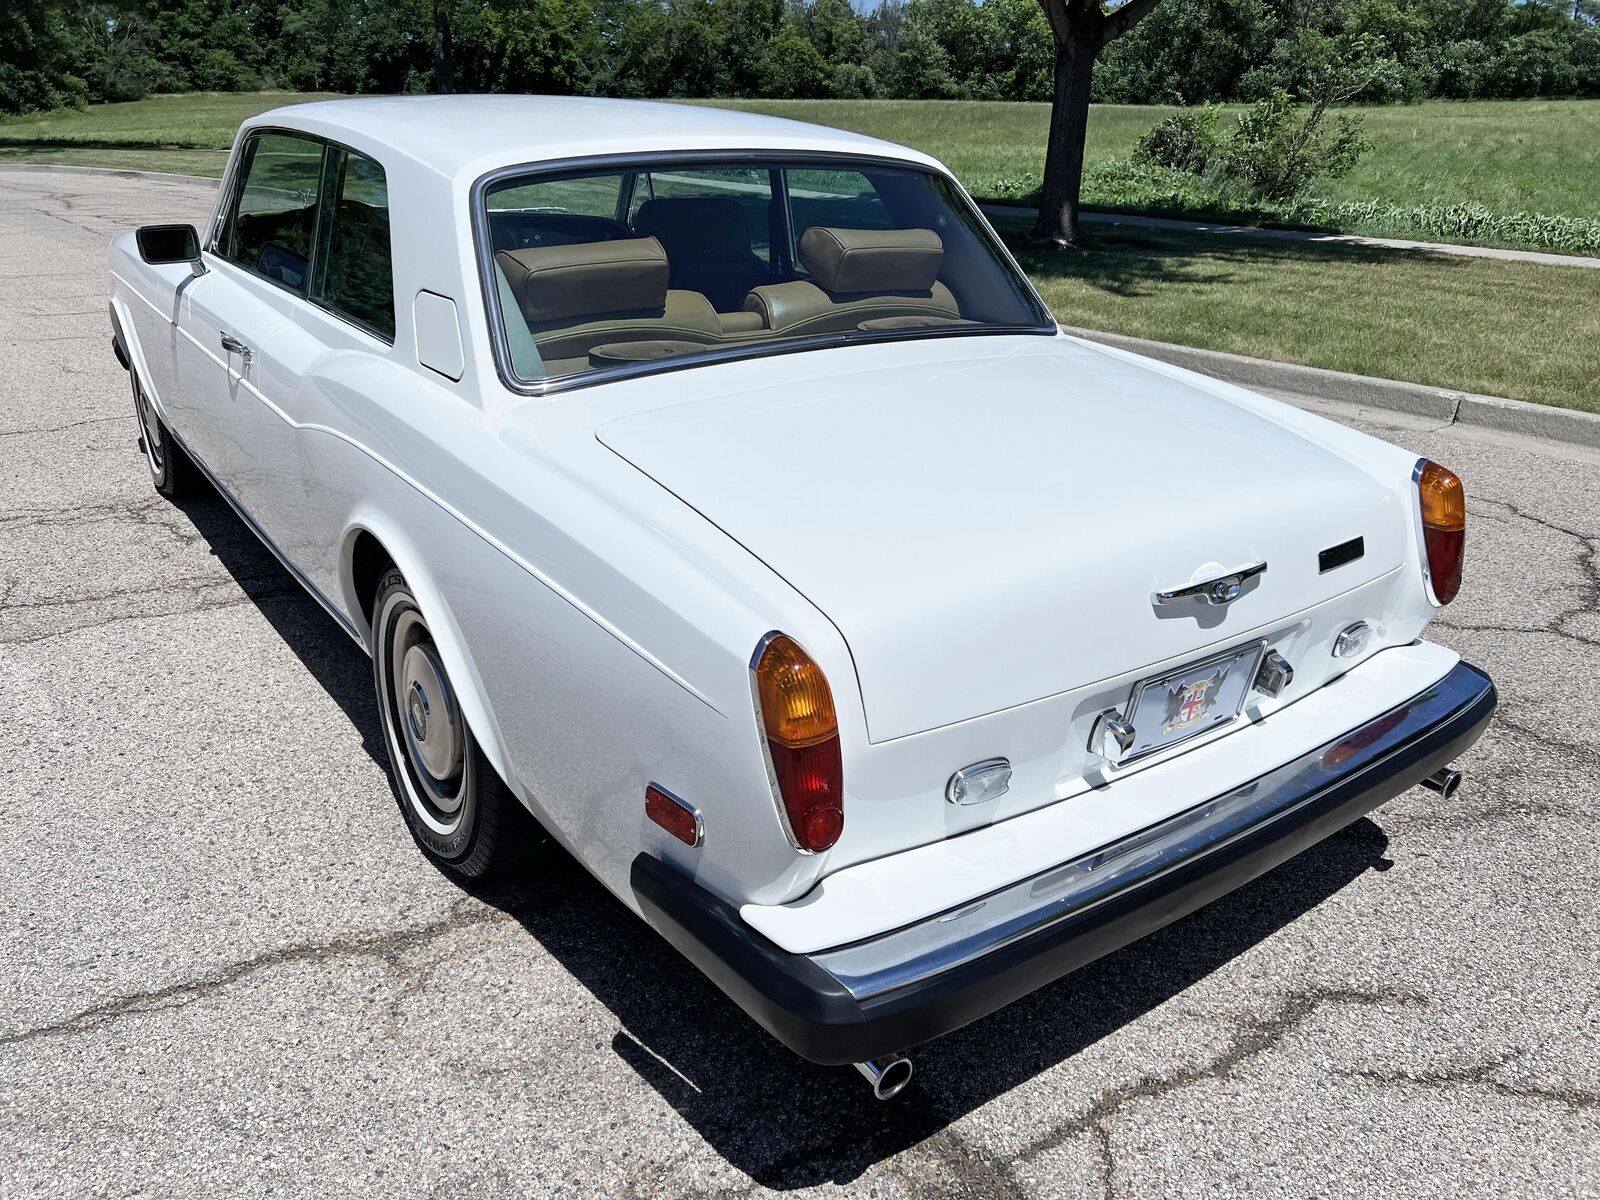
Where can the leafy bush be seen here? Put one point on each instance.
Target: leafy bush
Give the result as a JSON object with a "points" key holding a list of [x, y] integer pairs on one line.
{"points": [[853, 81], [1277, 152], [1185, 141]]}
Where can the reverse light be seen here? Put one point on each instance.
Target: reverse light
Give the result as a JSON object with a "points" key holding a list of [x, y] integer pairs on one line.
{"points": [[1444, 528], [980, 782], [796, 710]]}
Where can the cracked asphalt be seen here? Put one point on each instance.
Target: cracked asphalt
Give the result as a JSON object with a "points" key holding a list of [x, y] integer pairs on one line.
{"points": [[226, 970]]}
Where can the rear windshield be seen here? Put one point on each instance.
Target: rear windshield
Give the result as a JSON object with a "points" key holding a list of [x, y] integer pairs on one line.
{"points": [[670, 263]]}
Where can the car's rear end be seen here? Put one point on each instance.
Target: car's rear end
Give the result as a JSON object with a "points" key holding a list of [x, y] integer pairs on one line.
{"points": [[1118, 644]]}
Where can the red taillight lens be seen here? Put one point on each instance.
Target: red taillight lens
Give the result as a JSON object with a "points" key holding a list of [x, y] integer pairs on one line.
{"points": [[802, 732], [676, 816], [1444, 528]]}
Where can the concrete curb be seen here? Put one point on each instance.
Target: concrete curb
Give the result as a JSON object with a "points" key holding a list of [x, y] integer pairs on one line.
{"points": [[126, 173], [1443, 405]]}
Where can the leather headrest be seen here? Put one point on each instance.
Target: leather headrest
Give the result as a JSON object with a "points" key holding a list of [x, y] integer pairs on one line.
{"points": [[872, 260], [586, 279], [709, 226]]}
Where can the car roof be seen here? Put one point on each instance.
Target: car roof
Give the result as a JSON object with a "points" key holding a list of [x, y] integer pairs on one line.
{"points": [[468, 135]]}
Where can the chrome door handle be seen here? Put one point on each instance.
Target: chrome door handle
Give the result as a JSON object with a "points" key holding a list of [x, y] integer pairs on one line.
{"points": [[234, 346], [1224, 589]]}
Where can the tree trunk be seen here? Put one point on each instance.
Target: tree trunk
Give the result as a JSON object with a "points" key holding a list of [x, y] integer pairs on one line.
{"points": [[1063, 161], [444, 67]]}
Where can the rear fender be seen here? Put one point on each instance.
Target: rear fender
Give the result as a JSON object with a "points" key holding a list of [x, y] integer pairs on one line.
{"points": [[442, 624]]}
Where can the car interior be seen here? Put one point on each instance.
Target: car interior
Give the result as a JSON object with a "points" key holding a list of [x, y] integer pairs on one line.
{"points": [[668, 275]]}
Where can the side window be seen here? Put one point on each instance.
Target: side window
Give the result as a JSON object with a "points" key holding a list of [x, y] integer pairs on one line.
{"points": [[276, 215], [355, 272]]}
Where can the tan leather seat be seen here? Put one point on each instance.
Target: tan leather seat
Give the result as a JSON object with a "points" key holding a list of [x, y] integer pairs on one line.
{"points": [[860, 275], [579, 296]]}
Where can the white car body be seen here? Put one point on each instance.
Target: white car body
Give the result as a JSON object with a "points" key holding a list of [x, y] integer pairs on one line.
{"points": [[983, 523]]}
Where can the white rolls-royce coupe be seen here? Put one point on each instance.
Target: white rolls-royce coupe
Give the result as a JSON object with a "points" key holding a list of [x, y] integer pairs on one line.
{"points": [[718, 491]]}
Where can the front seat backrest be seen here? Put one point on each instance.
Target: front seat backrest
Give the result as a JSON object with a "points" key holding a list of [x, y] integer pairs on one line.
{"points": [[707, 239]]}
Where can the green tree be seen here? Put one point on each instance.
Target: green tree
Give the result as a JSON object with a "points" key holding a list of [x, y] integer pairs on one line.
{"points": [[792, 68], [36, 58]]}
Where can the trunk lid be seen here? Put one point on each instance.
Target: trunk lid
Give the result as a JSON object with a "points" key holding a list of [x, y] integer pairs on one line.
{"points": [[990, 531]]}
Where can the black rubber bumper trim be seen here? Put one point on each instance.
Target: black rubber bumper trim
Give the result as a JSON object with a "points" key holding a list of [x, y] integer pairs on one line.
{"points": [[805, 1007]]}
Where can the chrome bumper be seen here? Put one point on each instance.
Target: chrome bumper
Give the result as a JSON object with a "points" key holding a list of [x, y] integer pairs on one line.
{"points": [[901, 988]]}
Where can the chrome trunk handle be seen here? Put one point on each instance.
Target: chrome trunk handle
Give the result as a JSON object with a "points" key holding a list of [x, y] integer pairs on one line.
{"points": [[1224, 589]]}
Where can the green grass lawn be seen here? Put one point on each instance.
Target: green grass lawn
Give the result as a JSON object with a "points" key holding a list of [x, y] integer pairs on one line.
{"points": [[1502, 328], [1538, 155]]}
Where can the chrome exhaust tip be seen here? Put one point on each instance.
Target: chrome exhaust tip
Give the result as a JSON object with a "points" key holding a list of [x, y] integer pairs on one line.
{"points": [[1446, 781], [887, 1075]]}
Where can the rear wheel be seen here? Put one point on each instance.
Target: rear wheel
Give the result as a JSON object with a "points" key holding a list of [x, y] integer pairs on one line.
{"points": [[171, 470], [460, 813]]}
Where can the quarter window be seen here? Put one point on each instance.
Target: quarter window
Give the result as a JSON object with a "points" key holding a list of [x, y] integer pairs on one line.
{"points": [[275, 219], [355, 271]]}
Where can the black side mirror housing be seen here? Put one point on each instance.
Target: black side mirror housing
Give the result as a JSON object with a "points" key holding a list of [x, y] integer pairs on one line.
{"points": [[168, 244]]}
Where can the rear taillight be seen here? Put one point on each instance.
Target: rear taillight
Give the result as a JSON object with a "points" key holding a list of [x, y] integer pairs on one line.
{"points": [[802, 733], [1444, 528]]}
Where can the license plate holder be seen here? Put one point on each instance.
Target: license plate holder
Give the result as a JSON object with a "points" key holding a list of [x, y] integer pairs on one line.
{"points": [[1194, 699]]}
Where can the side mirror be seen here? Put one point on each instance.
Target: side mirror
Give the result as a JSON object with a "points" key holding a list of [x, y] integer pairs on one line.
{"points": [[169, 244]]}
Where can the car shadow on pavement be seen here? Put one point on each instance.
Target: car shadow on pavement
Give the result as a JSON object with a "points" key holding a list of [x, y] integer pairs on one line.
{"points": [[785, 1122], [340, 666]]}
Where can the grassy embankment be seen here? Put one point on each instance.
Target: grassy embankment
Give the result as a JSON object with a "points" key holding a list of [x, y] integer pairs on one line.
{"points": [[1503, 328]]}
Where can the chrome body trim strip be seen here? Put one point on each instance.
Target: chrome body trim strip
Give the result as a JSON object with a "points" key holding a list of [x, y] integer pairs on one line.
{"points": [[916, 954]]}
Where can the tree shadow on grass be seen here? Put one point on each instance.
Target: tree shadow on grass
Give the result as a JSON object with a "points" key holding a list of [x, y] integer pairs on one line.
{"points": [[1133, 262], [783, 1121]]}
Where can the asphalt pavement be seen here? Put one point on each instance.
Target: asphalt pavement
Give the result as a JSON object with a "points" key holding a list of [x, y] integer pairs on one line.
{"points": [[226, 971]]}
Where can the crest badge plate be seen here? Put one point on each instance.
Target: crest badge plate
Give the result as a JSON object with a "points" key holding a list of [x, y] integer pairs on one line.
{"points": [[1181, 704]]}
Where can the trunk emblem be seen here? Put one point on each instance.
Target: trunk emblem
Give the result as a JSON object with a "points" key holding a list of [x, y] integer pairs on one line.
{"points": [[1224, 589]]}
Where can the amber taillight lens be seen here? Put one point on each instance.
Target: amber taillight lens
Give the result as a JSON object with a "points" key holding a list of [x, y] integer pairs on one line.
{"points": [[1444, 527], [802, 732]]}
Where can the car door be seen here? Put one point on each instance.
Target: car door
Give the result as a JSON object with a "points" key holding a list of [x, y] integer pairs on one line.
{"points": [[244, 348]]}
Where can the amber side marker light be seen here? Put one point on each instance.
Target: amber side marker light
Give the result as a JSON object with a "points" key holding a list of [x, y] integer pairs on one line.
{"points": [[1444, 527], [802, 731]]}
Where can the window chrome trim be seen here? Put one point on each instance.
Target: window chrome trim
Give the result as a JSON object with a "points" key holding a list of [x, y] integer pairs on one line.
{"points": [[234, 182], [484, 252]]}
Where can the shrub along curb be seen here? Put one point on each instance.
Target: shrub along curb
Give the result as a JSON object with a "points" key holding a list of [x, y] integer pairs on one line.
{"points": [[1438, 404]]}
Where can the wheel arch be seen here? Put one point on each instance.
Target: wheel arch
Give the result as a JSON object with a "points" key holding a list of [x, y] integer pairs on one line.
{"points": [[370, 545]]}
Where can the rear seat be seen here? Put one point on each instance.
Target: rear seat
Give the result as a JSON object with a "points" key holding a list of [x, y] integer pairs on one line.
{"points": [[861, 275], [580, 296]]}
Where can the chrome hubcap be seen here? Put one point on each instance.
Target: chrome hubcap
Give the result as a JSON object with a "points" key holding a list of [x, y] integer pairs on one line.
{"points": [[433, 727], [427, 721], [149, 425]]}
